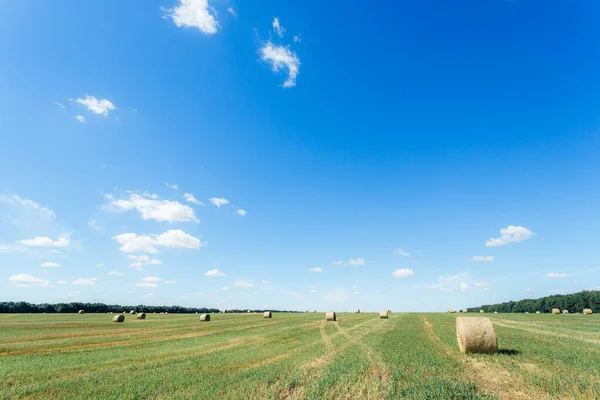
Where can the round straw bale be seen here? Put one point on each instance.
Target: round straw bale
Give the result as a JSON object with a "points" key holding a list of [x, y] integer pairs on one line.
{"points": [[205, 317], [267, 314], [357, 311], [495, 312], [587, 311], [537, 312], [132, 312], [249, 311], [119, 318], [330, 316], [141, 315], [565, 311], [383, 314], [315, 311], [481, 311], [451, 311], [465, 310], [81, 312], [476, 335], [555, 311]]}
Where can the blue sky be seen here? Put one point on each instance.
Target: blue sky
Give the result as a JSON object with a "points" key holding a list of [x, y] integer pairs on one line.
{"points": [[413, 155]]}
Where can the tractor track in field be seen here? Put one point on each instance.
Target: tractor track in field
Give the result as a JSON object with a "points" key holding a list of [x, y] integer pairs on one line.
{"points": [[520, 326], [488, 375]]}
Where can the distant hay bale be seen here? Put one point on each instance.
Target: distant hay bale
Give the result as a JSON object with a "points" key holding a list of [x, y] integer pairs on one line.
{"points": [[481, 311], [357, 311], [141, 315], [526, 312], [119, 318], [537, 312], [565, 311], [315, 311], [330, 316], [205, 317], [267, 314], [495, 312], [249, 311], [465, 310], [555, 311], [587, 311], [383, 314], [132, 312], [162, 313], [81, 312], [306, 311], [451, 311], [476, 335]]}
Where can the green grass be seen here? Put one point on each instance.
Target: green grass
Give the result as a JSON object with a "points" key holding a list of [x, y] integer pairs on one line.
{"points": [[245, 356]]}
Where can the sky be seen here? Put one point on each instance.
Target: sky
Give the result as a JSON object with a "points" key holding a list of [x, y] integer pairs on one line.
{"points": [[409, 155]]}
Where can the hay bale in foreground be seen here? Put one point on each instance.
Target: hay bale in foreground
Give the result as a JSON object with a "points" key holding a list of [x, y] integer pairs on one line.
{"points": [[205, 317], [81, 312], [330, 316], [587, 311], [119, 318], [565, 311], [383, 314], [267, 314], [555, 311], [476, 335], [141, 315]]}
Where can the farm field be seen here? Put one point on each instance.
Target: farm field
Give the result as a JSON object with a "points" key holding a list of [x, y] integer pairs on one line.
{"points": [[297, 356]]}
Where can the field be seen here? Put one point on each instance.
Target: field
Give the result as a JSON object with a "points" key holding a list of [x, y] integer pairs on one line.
{"points": [[244, 356]]}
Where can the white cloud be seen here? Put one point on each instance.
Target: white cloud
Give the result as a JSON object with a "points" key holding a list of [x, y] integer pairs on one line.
{"points": [[231, 11], [49, 265], [281, 57], [84, 281], [265, 282], [195, 14], [357, 261], [99, 265], [102, 106], [167, 184], [243, 284], [139, 261], [225, 288], [465, 287], [510, 234], [313, 291], [218, 201], [44, 241], [80, 118], [279, 30], [316, 269], [214, 272], [191, 199], [403, 273], [556, 275], [338, 262], [167, 282], [146, 285], [400, 252], [241, 212], [297, 38], [528, 290], [61, 282], [115, 273], [151, 208], [482, 258], [151, 279], [15, 199], [26, 281], [59, 104], [173, 238], [481, 284]]}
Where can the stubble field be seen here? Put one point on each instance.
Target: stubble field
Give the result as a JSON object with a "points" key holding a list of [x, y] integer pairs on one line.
{"points": [[296, 356]]}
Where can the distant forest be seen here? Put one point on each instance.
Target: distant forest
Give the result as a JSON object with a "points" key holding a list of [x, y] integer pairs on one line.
{"points": [[22, 307], [575, 303]]}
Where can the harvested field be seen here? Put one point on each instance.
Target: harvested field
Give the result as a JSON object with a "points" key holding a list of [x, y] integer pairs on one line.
{"points": [[55, 356]]}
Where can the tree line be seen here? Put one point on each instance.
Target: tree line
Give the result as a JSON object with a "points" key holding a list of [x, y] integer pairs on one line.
{"points": [[575, 303], [22, 307]]}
